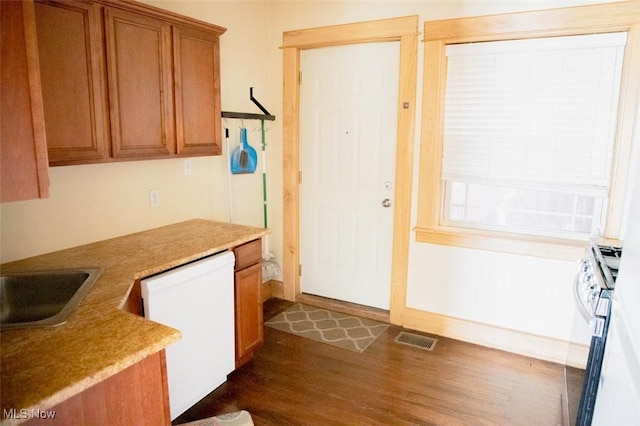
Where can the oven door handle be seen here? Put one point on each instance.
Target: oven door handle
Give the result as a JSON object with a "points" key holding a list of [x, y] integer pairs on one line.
{"points": [[584, 313]]}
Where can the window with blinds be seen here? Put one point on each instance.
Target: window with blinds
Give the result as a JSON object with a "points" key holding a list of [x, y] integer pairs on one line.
{"points": [[529, 133]]}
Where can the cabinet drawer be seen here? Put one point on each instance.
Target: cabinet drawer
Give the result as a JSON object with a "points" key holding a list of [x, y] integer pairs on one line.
{"points": [[248, 254]]}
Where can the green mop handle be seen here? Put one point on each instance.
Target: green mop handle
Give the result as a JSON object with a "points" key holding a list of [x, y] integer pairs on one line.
{"points": [[264, 174]]}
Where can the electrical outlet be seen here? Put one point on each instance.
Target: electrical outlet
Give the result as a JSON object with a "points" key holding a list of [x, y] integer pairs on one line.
{"points": [[188, 167], [154, 197]]}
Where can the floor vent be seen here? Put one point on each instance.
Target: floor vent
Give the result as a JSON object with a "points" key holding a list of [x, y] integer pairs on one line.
{"points": [[416, 340]]}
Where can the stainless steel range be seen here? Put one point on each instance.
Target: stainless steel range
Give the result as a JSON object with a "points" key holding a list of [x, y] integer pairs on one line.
{"points": [[598, 272], [593, 287]]}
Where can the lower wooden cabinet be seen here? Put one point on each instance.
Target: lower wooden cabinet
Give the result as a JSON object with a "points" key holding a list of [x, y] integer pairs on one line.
{"points": [[137, 395], [248, 300]]}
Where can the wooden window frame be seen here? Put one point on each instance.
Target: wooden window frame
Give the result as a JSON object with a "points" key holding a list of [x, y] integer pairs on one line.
{"points": [[580, 20]]}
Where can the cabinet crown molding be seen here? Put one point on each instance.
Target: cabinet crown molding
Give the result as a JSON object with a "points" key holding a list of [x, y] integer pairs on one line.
{"points": [[164, 14]]}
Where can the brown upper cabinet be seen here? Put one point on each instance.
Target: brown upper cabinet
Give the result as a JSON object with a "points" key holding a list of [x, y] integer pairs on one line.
{"points": [[23, 145], [74, 90], [126, 81], [196, 69], [140, 84]]}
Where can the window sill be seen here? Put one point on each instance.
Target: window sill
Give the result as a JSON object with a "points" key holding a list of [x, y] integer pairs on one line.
{"points": [[553, 248]]}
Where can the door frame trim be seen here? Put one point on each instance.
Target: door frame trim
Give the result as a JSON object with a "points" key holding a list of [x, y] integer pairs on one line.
{"points": [[404, 30]]}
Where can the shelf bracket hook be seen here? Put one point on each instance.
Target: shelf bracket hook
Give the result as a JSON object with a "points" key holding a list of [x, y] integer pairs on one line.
{"points": [[258, 104]]}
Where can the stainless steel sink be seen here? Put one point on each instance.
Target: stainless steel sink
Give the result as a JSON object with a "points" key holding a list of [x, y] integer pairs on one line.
{"points": [[43, 298]]}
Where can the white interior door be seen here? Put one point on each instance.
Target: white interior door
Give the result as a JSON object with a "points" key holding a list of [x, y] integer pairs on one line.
{"points": [[348, 124]]}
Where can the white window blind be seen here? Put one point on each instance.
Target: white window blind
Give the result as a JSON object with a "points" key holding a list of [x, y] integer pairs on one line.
{"points": [[529, 131], [537, 111]]}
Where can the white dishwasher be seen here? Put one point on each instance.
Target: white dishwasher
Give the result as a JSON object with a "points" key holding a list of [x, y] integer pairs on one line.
{"points": [[198, 300]]}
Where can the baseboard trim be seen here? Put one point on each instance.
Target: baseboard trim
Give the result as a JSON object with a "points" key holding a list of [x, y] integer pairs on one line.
{"points": [[272, 288], [514, 341], [531, 345]]}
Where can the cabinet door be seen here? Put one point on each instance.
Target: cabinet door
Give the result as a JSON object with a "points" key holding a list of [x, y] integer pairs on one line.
{"points": [[140, 84], [249, 332], [23, 145], [70, 41], [197, 91], [136, 395]]}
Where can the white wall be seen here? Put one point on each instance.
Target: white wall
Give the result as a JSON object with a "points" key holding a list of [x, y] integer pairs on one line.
{"points": [[523, 293], [93, 202]]}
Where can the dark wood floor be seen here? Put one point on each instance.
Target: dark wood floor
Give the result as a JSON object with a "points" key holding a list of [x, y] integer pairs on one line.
{"points": [[296, 381]]}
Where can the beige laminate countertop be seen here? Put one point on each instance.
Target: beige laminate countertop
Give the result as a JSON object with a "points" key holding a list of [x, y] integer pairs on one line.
{"points": [[42, 367]]}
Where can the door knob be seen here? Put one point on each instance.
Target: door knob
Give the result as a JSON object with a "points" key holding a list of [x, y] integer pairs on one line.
{"points": [[386, 202]]}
